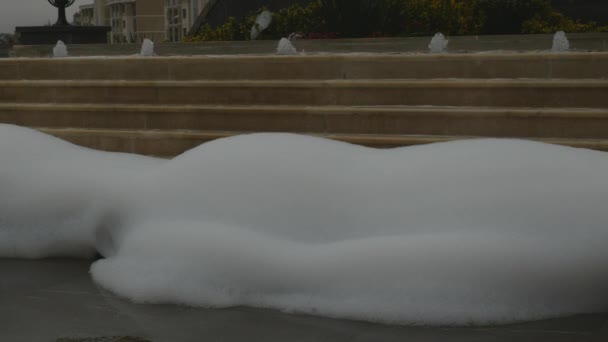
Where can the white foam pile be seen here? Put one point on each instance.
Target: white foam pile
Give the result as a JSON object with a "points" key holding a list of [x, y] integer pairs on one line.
{"points": [[54, 194], [468, 232]]}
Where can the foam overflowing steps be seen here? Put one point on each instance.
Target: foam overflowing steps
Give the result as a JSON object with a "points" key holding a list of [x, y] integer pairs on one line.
{"points": [[168, 143], [165, 105]]}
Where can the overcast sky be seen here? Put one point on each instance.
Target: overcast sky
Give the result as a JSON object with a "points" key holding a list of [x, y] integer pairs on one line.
{"points": [[31, 13]]}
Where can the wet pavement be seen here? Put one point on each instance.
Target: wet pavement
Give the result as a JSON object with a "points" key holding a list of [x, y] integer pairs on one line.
{"points": [[56, 301]]}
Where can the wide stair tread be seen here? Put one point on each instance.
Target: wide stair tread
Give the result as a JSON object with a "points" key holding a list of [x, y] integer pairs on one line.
{"points": [[441, 92], [426, 120], [348, 66], [388, 82], [279, 109]]}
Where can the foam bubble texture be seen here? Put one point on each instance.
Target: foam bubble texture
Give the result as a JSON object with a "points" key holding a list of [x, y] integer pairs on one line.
{"points": [[469, 232]]}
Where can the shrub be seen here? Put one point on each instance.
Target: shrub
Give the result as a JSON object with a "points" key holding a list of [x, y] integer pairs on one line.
{"points": [[361, 18], [295, 18], [452, 17], [508, 16], [554, 22], [227, 31], [382, 18]]}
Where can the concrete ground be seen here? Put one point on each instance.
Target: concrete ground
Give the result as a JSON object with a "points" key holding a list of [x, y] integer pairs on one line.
{"points": [[56, 301]]}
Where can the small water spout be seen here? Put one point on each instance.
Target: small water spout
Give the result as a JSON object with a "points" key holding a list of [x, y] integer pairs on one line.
{"points": [[261, 23], [438, 44], [286, 47], [560, 42], [147, 48], [60, 50]]}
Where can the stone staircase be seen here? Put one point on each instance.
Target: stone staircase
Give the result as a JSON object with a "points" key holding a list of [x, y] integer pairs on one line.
{"points": [[166, 105]]}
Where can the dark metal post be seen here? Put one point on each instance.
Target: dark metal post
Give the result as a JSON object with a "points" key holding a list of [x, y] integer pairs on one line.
{"points": [[61, 6]]}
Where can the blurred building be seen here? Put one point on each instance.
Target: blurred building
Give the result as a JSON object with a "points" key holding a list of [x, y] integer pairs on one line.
{"points": [[121, 16], [85, 16], [132, 21], [181, 16], [150, 20]]}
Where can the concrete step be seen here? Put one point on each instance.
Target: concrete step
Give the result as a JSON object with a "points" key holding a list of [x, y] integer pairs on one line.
{"points": [[475, 121], [349, 66], [440, 92], [172, 143]]}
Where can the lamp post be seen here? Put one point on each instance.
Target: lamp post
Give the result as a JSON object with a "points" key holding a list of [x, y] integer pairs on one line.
{"points": [[61, 6]]}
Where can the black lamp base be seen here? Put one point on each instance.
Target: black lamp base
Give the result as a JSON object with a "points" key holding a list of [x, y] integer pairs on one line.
{"points": [[49, 35]]}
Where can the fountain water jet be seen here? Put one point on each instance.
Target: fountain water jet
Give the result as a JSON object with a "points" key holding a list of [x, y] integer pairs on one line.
{"points": [[147, 48], [438, 44], [560, 42], [60, 50], [286, 47], [261, 23]]}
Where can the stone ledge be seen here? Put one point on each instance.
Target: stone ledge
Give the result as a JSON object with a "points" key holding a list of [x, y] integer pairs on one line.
{"points": [[49, 35], [533, 42]]}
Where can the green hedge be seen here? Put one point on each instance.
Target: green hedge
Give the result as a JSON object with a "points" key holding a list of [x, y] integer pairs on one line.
{"points": [[378, 18]]}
